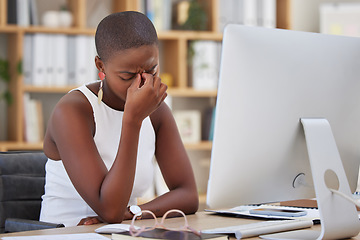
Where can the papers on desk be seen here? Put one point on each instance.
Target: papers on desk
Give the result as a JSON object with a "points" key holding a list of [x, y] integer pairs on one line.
{"points": [[76, 236], [114, 228], [260, 228], [312, 213]]}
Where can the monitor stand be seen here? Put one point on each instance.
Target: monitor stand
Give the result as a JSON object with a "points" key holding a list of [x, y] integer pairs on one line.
{"points": [[338, 216]]}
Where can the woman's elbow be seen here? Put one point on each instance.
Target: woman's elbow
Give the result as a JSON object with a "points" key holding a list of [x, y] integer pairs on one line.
{"points": [[112, 217], [193, 203]]}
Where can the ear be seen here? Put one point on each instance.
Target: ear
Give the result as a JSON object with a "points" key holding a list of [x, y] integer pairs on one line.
{"points": [[99, 64]]}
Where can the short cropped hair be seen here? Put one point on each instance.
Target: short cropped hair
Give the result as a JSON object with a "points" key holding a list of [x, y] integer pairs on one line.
{"points": [[123, 30]]}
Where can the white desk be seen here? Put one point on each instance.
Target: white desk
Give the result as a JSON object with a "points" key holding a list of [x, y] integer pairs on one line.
{"points": [[199, 221]]}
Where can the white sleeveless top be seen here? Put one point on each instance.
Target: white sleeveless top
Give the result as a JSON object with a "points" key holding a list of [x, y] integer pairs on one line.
{"points": [[61, 202]]}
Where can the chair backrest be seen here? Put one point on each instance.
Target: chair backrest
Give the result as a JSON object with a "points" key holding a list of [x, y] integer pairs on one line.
{"points": [[22, 179]]}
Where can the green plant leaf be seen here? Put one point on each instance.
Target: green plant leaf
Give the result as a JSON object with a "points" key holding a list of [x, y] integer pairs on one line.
{"points": [[19, 67], [5, 77], [4, 71], [197, 18], [191, 52], [8, 97]]}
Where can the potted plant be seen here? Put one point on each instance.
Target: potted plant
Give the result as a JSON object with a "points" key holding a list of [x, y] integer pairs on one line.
{"points": [[5, 77]]}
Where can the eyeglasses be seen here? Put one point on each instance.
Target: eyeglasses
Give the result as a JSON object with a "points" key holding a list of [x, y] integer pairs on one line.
{"points": [[136, 231]]}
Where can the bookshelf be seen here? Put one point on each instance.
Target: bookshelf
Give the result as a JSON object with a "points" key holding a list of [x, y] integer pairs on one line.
{"points": [[174, 42]]}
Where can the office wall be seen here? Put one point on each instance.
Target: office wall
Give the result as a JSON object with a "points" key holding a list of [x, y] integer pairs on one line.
{"points": [[305, 14]]}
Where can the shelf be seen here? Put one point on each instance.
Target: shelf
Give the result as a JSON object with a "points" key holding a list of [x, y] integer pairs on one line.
{"points": [[9, 29], [40, 29], [11, 146], [166, 35], [36, 89], [190, 35], [190, 92], [68, 31], [204, 145], [174, 92]]}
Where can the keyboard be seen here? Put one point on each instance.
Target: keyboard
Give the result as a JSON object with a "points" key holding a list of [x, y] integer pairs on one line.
{"points": [[259, 228]]}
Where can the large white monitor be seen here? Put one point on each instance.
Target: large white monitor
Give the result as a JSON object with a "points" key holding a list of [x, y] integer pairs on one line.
{"points": [[269, 80]]}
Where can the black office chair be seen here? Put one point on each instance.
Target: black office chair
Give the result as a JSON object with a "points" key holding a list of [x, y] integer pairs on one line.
{"points": [[22, 179]]}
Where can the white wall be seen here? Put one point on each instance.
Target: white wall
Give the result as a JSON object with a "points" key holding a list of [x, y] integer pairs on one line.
{"points": [[305, 14]]}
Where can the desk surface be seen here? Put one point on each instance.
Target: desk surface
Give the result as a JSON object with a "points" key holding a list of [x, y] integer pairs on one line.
{"points": [[199, 221]]}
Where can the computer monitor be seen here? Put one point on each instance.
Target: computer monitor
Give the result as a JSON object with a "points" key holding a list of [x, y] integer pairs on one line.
{"points": [[269, 80]]}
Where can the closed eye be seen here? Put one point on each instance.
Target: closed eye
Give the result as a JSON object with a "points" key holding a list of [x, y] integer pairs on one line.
{"points": [[128, 76], [153, 70]]}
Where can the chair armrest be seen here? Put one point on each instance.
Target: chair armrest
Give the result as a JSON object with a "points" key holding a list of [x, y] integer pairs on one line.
{"points": [[18, 225]]}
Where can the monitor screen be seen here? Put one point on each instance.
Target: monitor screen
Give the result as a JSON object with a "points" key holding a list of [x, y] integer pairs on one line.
{"points": [[269, 80]]}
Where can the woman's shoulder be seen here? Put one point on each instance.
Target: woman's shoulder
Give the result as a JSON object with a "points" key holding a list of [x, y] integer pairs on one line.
{"points": [[73, 105], [73, 100], [72, 111], [76, 99]]}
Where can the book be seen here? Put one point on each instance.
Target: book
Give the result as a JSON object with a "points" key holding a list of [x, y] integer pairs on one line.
{"points": [[12, 12], [71, 61], [159, 233], [159, 12], [18, 12], [247, 12], [92, 73], [59, 60], [189, 125], [230, 11], [250, 12], [23, 13], [49, 53], [33, 120], [39, 59], [212, 125], [206, 123], [268, 13], [28, 58], [205, 64], [46, 59], [34, 18], [81, 55], [85, 52]]}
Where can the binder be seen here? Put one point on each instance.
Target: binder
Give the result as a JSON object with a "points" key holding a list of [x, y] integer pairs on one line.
{"points": [[81, 59], [49, 53], [250, 12], [92, 70], [28, 58], [23, 12], [60, 60], [39, 60], [268, 13], [71, 60], [205, 65]]}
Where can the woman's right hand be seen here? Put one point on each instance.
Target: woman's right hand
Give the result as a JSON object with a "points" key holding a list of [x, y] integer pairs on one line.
{"points": [[143, 99]]}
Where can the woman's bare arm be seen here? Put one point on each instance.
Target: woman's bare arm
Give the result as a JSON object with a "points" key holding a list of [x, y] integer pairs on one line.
{"points": [[175, 167], [106, 192]]}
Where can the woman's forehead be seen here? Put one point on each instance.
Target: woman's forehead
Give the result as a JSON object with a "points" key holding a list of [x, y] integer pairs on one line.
{"points": [[144, 56]]}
